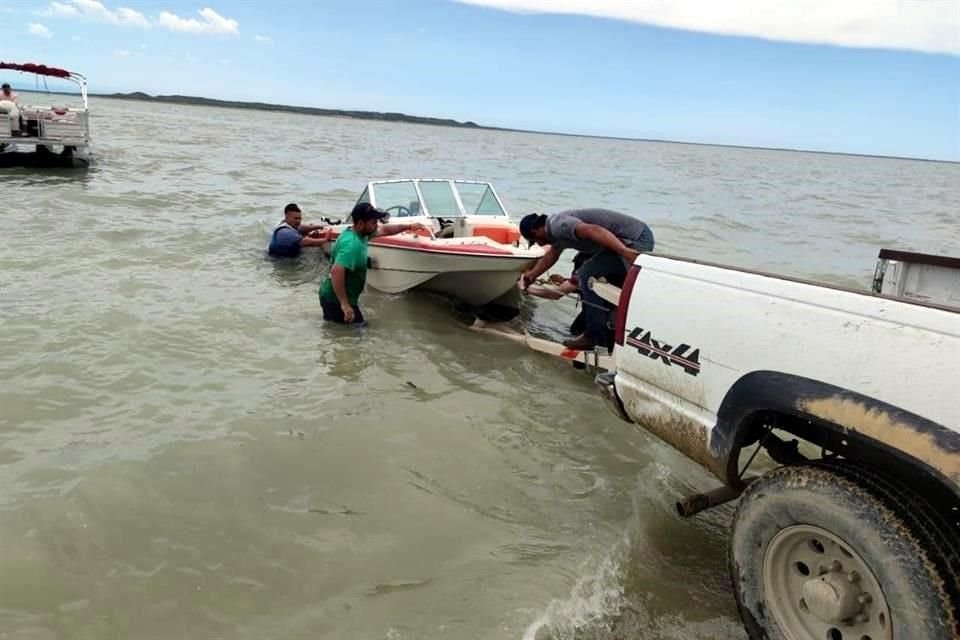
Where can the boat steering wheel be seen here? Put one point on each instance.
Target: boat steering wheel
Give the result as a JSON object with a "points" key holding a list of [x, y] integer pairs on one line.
{"points": [[401, 210]]}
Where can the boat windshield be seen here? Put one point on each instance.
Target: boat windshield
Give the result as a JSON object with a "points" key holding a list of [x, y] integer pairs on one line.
{"points": [[440, 199], [405, 198], [478, 199], [397, 198]]}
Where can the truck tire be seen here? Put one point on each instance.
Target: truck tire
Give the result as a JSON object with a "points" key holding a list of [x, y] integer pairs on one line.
{"points": [[833, 551]]}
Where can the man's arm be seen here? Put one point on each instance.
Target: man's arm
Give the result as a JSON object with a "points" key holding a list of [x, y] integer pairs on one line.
{"points": [[322, 238], [549, 259], [338, 277], [599, 235], [550, 293], [393, 229], [309, 228]]}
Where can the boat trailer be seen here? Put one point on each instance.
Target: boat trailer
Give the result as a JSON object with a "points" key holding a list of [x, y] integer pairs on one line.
{"points": [[597, 360]]}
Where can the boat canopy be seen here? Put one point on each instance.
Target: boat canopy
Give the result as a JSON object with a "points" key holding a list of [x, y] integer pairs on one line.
{"points": [[39, 69], [436, 198], [52, 72]]}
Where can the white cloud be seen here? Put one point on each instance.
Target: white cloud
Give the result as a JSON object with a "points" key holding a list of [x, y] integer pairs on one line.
{"points": [[39, 30], [127, 16], [77, 39], [260, 38], [96, 10], [60, 10], [121, 53], [930, 26], [212, 24]]}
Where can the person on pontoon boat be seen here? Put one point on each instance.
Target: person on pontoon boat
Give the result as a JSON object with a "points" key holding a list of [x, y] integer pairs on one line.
{"points": [[10, 109], [6, 93], [290, 235], [614, 241]]}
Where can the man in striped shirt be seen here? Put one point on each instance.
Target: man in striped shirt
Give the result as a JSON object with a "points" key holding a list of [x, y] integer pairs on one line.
{"points": [[614, 241]]}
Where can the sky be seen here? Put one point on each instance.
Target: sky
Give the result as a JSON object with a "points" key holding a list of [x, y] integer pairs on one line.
{"points": [[858, 76]]}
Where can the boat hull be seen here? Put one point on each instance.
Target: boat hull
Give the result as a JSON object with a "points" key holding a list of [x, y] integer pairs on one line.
{"points": [[472, 287], [474, 279], [476, 272], [12, 155]]}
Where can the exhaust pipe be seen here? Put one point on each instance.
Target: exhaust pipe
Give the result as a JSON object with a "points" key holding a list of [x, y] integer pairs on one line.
{"points": [[692, 505]]}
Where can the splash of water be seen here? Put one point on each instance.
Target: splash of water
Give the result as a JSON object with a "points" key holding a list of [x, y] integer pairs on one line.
{"points": [[595, 598]]}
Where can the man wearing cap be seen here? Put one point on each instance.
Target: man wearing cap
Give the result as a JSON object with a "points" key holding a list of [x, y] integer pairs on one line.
{"points": [[614, 241], [340, 291], [6, 93], [290, 235]]}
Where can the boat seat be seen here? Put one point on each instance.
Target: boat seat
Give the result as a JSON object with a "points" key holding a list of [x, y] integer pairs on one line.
{"points": [[503, 235], [57, 123], [9, 118]]}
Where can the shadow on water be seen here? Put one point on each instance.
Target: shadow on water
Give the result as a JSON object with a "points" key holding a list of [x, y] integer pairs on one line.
{"points": [[46, 177], [307, 268], [414, 305], [345, 358]]}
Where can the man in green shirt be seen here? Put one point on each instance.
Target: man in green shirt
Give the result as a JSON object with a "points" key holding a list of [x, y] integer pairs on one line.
{"points": [[341, 290]]}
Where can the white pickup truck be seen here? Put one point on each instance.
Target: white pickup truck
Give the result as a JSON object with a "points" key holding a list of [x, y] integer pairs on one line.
{"points": [[854, 400]]}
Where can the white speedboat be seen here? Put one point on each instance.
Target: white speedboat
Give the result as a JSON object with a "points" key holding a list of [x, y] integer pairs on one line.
{"points": [[49, 135], [474, 253]]}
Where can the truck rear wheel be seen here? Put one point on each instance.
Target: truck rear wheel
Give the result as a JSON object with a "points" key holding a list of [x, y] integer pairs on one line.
{"points": [[836, 552]]}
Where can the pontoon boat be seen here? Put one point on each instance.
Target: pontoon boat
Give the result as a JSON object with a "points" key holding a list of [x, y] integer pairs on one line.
{"points": [[51, 135]]}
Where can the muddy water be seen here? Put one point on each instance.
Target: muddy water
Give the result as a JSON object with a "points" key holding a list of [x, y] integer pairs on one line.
{"points": [[186, 451]]}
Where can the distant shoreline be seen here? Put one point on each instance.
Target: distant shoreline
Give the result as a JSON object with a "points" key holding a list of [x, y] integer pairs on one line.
{"points": [[396, 117], [387, 116]]}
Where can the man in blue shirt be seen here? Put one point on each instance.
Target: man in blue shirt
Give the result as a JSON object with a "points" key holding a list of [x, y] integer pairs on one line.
{"points": [[611, 242], [290, 235]]}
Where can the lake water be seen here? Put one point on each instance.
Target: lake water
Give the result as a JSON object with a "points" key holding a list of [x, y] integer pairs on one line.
{"points": [[187, 451]]}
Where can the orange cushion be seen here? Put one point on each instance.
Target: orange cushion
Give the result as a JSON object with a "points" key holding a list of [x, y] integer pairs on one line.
{"points": [[503, 235]]}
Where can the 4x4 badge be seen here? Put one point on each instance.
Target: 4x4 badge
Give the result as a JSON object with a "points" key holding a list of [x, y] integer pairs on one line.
{"points": [[668, 354]]}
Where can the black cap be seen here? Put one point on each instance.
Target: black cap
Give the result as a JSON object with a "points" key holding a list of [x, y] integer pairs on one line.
{"points": [[366, 211], [6, 85], [530, 222]]}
